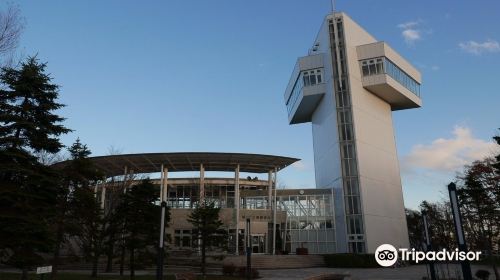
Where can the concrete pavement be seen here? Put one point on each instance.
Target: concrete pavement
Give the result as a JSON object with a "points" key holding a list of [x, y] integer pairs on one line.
{"points": [[415, 272]]}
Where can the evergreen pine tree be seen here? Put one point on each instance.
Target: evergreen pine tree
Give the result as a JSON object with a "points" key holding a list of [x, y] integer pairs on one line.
{"points": [[28, 189], [207, 228], [78, 174], [140, 219]]}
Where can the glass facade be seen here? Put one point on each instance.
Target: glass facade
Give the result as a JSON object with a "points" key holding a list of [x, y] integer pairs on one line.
{"points": [[350, 176], [221, 195], [306, 78], [183, 238], [304, 218], [309, 222], [256, 202], [183, 196], [399, 75], [382, 65], [187, 196]]}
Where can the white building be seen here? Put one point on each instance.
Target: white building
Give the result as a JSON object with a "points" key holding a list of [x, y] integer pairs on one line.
{"points": [[347, 88]]}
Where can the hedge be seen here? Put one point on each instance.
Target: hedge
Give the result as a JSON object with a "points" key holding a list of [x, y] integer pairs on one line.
{"points": [[351, 261]]}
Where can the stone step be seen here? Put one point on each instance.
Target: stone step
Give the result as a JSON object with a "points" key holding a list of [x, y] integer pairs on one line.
{"points": [[258, 261], [280, 261]]}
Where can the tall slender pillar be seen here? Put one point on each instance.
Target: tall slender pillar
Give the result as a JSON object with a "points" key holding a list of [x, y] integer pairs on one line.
{"points": [[202, 183], [269, 189], [161, 184], [164, 194], [103, 195], [270, 238], [237, 204], [274, 211], [125, 179]]}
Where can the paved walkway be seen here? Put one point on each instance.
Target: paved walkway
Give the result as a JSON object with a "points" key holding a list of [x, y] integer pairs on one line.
{"points": [[415, 272]]}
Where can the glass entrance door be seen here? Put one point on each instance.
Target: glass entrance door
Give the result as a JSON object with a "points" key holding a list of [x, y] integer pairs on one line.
{"points": [[258, 243]]}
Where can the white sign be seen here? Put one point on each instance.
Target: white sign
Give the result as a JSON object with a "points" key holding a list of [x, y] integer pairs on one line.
{"points": [[43, 269]]}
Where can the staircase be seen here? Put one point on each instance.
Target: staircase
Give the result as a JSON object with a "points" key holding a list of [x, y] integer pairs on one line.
{"points": [[188, 262]]}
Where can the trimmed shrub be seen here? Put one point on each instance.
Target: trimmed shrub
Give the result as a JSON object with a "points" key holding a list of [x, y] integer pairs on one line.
{"points": [[301, 251], [488, 260], [351, 260], [242, 272], [483, 274], [255, 273]]}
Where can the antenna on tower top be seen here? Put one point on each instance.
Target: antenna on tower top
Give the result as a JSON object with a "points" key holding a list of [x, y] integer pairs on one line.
{"points": [[333, 6]]}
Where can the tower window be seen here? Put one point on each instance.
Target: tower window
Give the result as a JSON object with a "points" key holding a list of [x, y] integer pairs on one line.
{"points": [[372, 66], [312, 77], [382, 65]]}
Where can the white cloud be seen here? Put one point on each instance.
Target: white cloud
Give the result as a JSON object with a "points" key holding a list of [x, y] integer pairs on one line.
{"points": [[409, 24], [411, 35], [411, 31], [449, 155], [423, 66], [477, 48]]}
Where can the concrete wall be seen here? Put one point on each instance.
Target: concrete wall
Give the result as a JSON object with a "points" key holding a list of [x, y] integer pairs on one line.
{"points": [[378, 166], [327, 168], [380, 181]]}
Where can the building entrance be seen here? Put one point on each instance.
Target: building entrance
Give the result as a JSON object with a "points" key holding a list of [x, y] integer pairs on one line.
{"points": [[258, 243]]}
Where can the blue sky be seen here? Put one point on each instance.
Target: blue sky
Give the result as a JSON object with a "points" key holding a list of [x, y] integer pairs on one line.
{"points": [[168, 76]]}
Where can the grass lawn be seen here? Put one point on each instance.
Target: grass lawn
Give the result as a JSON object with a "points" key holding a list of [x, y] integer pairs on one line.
{"points": [[77, 276]]}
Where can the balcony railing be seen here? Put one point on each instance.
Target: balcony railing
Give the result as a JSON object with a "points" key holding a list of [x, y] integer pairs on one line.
{"points": [[306, 78], [383, 65]]}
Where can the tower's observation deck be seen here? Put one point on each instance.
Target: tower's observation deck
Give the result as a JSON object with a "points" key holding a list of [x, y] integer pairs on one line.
{"points": [[305, 88], [389, 76], [384, 73]]}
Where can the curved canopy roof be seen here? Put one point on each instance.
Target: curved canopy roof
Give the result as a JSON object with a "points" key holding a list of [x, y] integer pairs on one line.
{"points": [[114, 165]]}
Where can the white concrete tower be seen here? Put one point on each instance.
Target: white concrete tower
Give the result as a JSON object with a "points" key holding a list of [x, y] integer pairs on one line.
{"points": [[347, 87]]}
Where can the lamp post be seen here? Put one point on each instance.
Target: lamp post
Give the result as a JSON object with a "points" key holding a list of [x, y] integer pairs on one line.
{"points": [[459, 230], [161, 251], [428, 244]]}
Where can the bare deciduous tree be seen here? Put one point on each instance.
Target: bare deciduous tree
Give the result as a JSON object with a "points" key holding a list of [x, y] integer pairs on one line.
{"points": [[113, 150], [47, 159], [11, 26]]}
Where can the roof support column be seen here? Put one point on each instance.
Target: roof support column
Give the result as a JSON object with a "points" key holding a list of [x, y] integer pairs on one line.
{"points": [[237, 204], [270, 189], [202, 183], [274, 210], [163, 183], [103, 195], [125, 179]]}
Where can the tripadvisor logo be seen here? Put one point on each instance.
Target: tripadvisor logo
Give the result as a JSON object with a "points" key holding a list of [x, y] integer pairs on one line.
{"points": [[387, 255]]}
